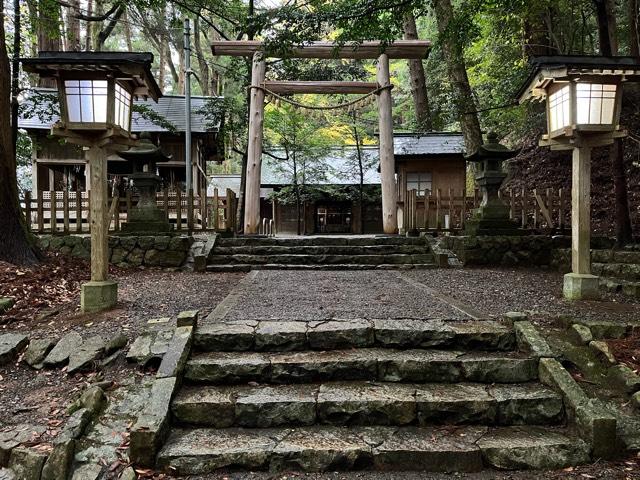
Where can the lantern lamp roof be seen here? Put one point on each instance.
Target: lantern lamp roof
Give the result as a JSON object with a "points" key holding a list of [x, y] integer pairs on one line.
{"points": [[492, 148], [562, 68], [134, 67]]}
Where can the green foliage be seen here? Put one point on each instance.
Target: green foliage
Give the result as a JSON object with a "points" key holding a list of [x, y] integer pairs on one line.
{"points": [[154, 117]]}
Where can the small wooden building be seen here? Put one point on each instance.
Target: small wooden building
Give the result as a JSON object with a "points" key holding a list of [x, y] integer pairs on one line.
{"points": [[58, 167], [432, 164]]}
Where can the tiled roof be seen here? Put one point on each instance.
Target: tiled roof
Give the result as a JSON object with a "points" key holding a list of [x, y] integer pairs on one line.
{"points": [[170, 107], [428, 144]]}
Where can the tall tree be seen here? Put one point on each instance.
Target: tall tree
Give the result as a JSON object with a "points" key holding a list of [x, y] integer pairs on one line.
{"points": [[607, 34], [418, 78], [450, 38], [634, 40], [16, 247]]}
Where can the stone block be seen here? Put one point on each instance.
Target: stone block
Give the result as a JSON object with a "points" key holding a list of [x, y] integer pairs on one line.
{"points": [[93, 399], [272, 406], [135, 257], [581, 287], [177, 354], [552, 373], [187, 318], [38, 351], [623, 378], [161, 242], [598, 428], [152, 426], [87, 355], [59, 462], [11, 344], [281, 336], [117, 342], [89, 471], [164, 258], [331, 335], [226, 336], [27, 463], [181, 243], [97, 296], [579, 335], [146, 242], [602, 350], [515, 317], [635, 400], [530, 341], [76, 425]]}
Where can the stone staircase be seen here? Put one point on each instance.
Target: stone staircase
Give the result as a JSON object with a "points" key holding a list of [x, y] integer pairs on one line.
{"points": [[320, 253], [390, 395]]}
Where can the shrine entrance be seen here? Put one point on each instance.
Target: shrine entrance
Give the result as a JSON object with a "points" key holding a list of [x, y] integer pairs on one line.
{"points": [[401, 49]]}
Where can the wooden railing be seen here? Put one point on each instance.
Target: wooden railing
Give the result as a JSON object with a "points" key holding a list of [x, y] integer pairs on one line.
{"points": [[68, 212], [548, 210]]}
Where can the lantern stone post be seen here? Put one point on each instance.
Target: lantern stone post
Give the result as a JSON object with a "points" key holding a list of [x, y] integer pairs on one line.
{"points": [[96, 90], [583, 97]]}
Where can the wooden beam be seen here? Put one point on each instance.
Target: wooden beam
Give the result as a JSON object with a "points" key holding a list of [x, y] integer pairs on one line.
{"points": [[387, 160], [283, 88], [581, 211], [254, 150], [404, 49], [98, 207]]}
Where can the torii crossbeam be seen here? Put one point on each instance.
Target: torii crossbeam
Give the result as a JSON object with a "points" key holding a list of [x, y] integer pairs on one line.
{"points": [[401, 49]]}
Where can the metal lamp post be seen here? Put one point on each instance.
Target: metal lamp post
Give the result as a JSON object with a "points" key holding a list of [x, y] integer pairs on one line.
{"points": [[583, 99], [96, 91]]}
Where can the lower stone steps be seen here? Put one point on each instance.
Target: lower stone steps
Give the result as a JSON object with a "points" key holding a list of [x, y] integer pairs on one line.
{"points": [[273, 335], [366, 403], [625, 271], [215, 268], [302, 259], [381, 364], [328, 448], [322, 249]]}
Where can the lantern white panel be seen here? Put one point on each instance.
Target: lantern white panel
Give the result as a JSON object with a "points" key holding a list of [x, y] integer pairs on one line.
{"points": [[123, 107], [86, 100], [595, 103], [559, 109]]}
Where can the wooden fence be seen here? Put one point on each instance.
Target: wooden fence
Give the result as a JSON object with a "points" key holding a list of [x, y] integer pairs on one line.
{"points": [[545, 211], [68, 212]]}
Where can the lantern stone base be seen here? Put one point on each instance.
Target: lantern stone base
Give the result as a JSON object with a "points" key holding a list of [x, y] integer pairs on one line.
{"points": [[579, 286], [96, 296], [145, 220]]}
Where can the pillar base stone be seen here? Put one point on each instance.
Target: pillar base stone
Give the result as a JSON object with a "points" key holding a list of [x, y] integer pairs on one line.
{"points": [[580, 286], [96, 296]]}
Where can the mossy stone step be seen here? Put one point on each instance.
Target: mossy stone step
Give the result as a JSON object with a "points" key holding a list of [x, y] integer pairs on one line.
{"points": [[320, 250], [244, 267], [326, 448], [301, 259], [318, 241], [387, 365], [272, 335], [366, 403]]}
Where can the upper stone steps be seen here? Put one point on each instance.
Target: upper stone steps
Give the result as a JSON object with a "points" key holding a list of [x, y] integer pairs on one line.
{"points": [[322, 249], [367, 403], [271, 335], [343, 267], [318, 241], [329, 448], [374, 364], [304, 259]]}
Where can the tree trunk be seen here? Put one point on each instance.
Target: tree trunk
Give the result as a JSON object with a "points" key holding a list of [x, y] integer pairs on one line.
{"points": [[634, 41], [456, 67], [73, 26], [48, 33], [15, 73], [418, 79], [162, 61], [203, 78], [89, 28], [16, 247], [605, 10], [127, 31], [108, 30]]}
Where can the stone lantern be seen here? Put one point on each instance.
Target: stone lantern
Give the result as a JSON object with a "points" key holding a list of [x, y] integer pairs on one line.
{"points": [[492, 218], [146, 217]]}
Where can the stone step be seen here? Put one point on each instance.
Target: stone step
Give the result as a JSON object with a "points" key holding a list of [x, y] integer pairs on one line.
{"points": [[299, 259], [318, 241], [318, 267], [626, 256], [272, 335], [321, 250], [366, 403], [327, 448], [626, 271], [385, 365]]}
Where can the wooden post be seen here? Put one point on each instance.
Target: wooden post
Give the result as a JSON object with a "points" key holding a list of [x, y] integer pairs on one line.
{"points": [[78, 210], [27, 209], [65, 210], [525, 220], [451, 209], [463, 211], [387, 161], [581, 210], [190, 210], [561, 209], [40, 208], [165, 199], [254, 151], [203, 208], [427, 201], [216, 205], [438, 198], [178, 208], [98, 209]]}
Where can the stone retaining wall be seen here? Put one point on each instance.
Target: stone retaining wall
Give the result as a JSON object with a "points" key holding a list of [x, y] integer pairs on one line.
{"points": [[527, 250], [127, 251]]}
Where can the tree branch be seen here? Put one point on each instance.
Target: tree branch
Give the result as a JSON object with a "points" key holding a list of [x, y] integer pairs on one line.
{"points": [[89, 18]]}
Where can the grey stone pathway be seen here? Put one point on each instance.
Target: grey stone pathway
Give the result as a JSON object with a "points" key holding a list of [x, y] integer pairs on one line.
{"points": [[324, 295]]}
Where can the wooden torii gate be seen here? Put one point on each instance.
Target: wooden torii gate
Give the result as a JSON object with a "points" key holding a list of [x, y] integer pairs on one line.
{"points": [[402, 49]]}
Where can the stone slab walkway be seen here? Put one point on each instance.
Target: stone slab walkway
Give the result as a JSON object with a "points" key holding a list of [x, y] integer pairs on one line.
{"points": [[326, 295]]}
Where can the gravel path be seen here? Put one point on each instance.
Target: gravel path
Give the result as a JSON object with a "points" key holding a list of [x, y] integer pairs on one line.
{"points": [[321, 295]]}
